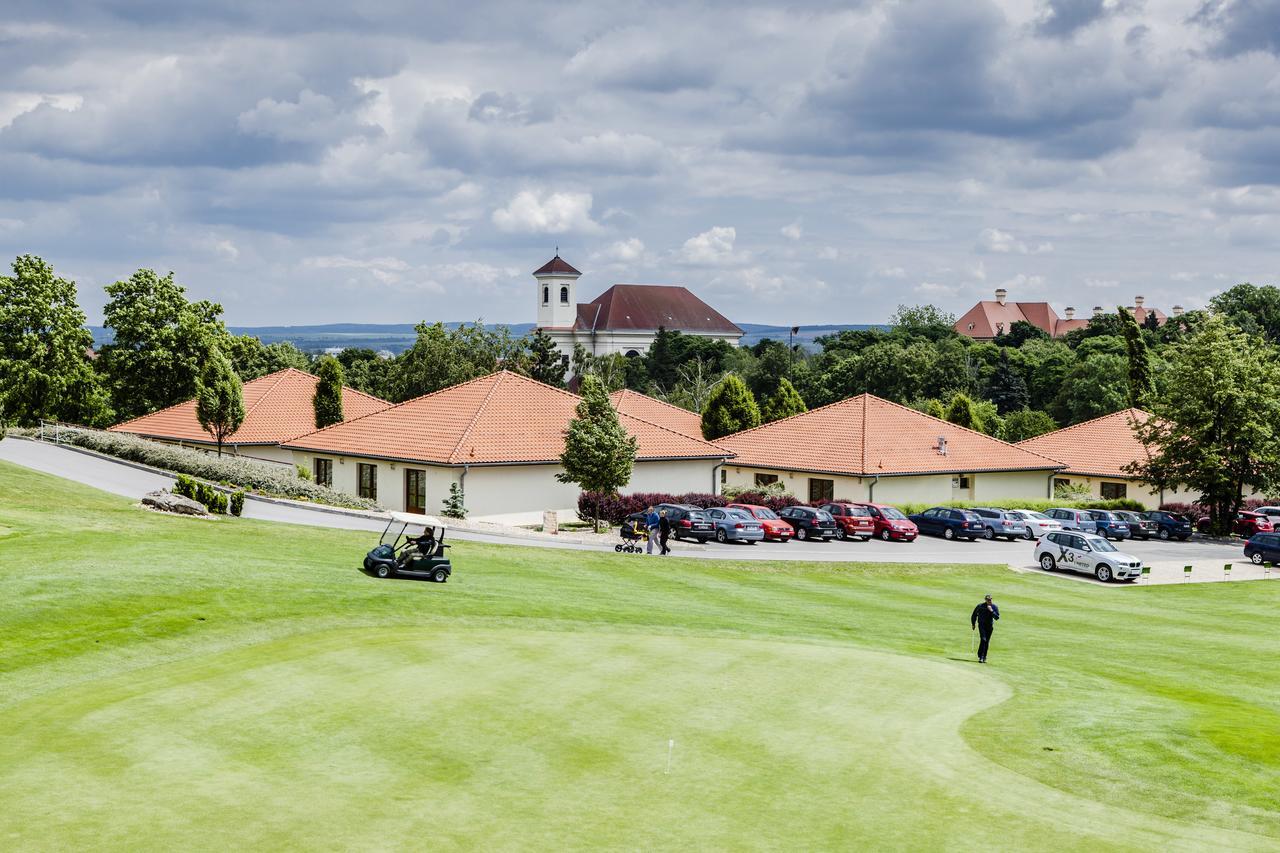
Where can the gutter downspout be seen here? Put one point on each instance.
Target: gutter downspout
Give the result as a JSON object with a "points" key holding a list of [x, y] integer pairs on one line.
{"points": [[871, 490], [1049, 487], [462, 481], [715, 479]]}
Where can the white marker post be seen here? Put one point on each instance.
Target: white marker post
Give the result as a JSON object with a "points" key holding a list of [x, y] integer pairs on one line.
{"points": [[671, 745]]}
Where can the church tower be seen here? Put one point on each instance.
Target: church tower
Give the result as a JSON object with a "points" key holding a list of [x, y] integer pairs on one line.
{"points": [[557, 294]]}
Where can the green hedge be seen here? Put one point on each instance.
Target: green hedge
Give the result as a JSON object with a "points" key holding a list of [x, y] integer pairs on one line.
{"points": [[1035, 505]]}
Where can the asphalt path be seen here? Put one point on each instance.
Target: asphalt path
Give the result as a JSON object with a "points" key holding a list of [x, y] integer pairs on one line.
{"points": [[123, 479]]}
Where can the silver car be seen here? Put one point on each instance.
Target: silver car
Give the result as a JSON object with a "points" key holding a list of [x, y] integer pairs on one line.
{"points": [[1088, 553], [735, 525], [1037, 524]]}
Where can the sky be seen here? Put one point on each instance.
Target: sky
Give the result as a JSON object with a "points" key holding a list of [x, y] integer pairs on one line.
{"points": [[306, 161]]}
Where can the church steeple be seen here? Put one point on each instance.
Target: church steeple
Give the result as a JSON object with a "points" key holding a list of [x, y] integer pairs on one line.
{"points": [[557, 300]]}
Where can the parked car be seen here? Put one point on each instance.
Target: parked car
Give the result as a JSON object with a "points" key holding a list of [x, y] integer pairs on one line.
{"points": [[1271, 512], [890, 522], [1109, 525], [809, 522], [735, 525], [1140, 527], [1001, 522], [688, 521], [1074, 519], [949, 523], [1263, 548], [1036, 524], [774, 527], [1169, 525], [1246, 525], [1088, 553], [852, 521]]}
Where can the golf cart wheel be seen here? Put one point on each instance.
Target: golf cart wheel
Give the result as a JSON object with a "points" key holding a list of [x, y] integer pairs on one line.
{"points": [[721, 536], [384, 571], [439, 576], [840, 534], [1256, 558], [989, 533], [802, 534], [1047, 562], [884, 534], [1102, 572], [948, 534]]}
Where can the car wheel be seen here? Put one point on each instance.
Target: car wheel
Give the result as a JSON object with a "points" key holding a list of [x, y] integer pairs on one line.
{"points": [[439, 576], [884, 534], [1164, 534], [802, 534], [1028, 535], [384, 571], [1047, 562], [840, 534], [1256, 558], [948, 534], [1102, 572], [721, 537], [989, 533]]}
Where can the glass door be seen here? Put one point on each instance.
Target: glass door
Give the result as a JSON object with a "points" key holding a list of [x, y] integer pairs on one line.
{"points": [[415, 490]]}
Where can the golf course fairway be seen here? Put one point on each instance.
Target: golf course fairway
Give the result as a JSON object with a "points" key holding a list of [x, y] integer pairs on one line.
{"points": [[175, 683]]}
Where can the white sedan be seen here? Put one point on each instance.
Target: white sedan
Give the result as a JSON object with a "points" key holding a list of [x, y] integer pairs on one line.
{"points": [[1036, 524], [1088, 553]]}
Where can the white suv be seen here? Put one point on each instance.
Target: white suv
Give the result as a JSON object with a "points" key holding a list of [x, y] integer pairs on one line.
{"points": [[1088, 553]]}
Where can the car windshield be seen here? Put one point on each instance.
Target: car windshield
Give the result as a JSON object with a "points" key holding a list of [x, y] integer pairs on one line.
{"points": [[971, 516], [859, 511], [1099, 544], [738, 513], [823, 515], [892, 512], [765, 512], [1102, 515]]}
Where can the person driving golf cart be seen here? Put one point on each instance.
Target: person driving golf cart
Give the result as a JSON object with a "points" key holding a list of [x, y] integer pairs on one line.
{"points": [[399, 553], [426, 544]]}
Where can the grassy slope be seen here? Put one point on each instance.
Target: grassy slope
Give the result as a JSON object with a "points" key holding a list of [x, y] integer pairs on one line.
{"points": [[172, 679]]}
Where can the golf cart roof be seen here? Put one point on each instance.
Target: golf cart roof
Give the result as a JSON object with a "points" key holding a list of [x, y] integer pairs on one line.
{"points": [[417, 519]]}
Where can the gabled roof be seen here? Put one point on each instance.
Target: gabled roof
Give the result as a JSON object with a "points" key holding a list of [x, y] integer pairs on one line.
{"points": [[990, 318], [556, 265], [500, 418], [683, 421], [865, 436], [277, 407], [1101, 447], [646, 307]]}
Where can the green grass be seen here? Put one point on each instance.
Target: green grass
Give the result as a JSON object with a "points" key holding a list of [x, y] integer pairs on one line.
{"points": [[168, 682]]}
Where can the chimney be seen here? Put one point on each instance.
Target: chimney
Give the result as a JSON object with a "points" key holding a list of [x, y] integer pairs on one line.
{"points": [[1097, 310], [1177, 310], [1001, 294], [1071, 313], [1138, 300], [942, 445]]}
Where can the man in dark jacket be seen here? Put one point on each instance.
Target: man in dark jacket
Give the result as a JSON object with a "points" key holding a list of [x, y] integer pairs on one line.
{"points": [[664, 532], [983, 619]]}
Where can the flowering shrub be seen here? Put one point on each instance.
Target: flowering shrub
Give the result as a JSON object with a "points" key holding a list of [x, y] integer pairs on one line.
{"points": [[246, 474]]}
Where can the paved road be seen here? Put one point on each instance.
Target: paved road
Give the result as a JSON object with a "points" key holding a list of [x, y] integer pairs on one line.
{"points": [[1166, 557]]}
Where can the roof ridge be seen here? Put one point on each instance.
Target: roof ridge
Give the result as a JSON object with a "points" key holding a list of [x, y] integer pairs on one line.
{"points": [[676, 432], [655, 400], [493, 386], [864, 433], [845, 401], [1143, 412], [280, 377]]}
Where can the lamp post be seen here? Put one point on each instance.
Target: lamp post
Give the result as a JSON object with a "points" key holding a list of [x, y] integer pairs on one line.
{"points": [[791, 348]]}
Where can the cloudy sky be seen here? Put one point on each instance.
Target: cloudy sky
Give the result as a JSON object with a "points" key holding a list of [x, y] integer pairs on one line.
{"points": [[307, 161]]}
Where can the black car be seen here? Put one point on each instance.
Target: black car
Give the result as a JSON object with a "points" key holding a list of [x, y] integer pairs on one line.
{"points": [[809, 523], [688, 521], [1139, 527], [1169, 526], [1263, 548], [950, 523]]}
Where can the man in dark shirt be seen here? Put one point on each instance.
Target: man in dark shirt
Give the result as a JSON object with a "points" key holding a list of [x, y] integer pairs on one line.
{"points": [[664, 532], [983, 619]]}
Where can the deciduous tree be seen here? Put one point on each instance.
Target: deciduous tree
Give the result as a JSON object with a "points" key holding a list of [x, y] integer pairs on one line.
{"points": [[731, 408], [1027, 423], [327, 400], [598, 452], [219, 398]]}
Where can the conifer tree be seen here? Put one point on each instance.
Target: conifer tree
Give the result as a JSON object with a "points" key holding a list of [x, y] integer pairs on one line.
{"points": [[219, 398], [784, 403], [1007, 389], [1141, 383], [327, 400], [960, 411], [545, 362], [731, 408]]}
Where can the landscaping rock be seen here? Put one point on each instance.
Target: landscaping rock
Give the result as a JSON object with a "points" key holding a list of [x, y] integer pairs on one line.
{"points": [[166, 501]]}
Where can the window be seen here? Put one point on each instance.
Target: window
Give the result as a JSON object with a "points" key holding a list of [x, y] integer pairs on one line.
{"points": [[324, 472], [564, 360], [564, 296], [1114, 491], [1060, 483], [821, 490], [546, 295], [766, 479], [959, 482], [632, 353], [367, 481], [724, 476], [834, 509]]}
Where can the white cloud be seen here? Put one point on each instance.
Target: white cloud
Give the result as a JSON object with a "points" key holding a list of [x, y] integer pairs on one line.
{"points": [[890, 272], [1101, 283], [793, 231], [934, 288], [713, 246], [1003, 243], [1022, 282], [554, 213], [627, 251]]}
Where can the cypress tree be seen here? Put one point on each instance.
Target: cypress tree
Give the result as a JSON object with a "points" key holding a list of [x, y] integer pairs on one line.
{"points": [[1007, 389], [327, 401], [1141, 383], [731, 408], [960, 411], [598, 453], [784, 403], [219, 398]]}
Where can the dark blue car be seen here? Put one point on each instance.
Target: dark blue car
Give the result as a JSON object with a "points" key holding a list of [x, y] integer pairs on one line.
{"points": [[1110, 525], [1263, 548], [1170, 526], [950, 523]]}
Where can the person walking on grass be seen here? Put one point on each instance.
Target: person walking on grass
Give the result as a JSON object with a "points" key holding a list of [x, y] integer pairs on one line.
{"points": [[983, 620], [664, 533], [651, 521]]}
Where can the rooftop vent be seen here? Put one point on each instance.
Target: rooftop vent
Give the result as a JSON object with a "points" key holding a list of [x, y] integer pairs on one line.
{"points": [[942, 445]]}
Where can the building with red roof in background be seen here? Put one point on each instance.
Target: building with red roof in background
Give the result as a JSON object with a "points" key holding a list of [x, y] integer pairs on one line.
{"points": [[991, 318]]}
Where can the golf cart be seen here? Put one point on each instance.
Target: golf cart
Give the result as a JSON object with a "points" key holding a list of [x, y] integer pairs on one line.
{"points": [[412, 546]]}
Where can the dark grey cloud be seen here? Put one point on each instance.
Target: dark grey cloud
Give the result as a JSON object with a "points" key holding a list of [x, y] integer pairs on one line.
{"points": [[1241, 26], [1063, 18]]}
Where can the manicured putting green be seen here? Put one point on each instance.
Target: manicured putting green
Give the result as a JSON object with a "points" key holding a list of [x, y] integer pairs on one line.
{"points": [[511, 738]]}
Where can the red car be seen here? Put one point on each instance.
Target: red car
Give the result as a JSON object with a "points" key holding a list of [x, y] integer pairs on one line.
{"points": [[890, 523], [1246, 524], [774, 528], [852, 521]]}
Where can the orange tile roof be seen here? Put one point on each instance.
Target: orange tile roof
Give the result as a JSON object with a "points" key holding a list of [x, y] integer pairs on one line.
{"points": [[683, 421], [865, 436], [277, 407], [500, 418], [1100, 447]]}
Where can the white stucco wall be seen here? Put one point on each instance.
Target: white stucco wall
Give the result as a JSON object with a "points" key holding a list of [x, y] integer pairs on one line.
{"points": [[923, 488], [1005, 485], [1136, 490]]}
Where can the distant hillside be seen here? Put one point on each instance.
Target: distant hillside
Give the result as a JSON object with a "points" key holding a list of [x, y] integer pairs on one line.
{"points": [[397, 337]]}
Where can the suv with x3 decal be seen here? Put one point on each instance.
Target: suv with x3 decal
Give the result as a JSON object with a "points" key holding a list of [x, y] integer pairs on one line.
{"points": [[1087, 553]]}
